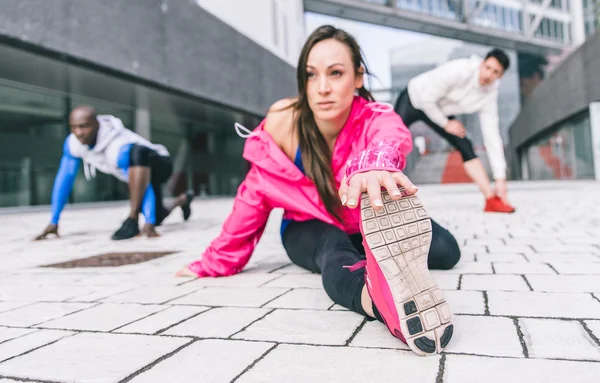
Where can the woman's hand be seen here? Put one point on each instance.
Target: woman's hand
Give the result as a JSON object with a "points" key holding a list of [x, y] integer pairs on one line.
{"points": [[372, 182]]}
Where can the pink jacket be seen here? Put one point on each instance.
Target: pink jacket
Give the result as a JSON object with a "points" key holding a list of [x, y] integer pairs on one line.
{"points": [[370, 139]]}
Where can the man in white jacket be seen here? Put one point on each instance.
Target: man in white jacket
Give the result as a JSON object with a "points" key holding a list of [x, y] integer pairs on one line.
{"points": [[103, 143], [464, 86]]}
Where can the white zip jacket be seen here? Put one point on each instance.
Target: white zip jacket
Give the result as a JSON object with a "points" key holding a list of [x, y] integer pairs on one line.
{"points": [[112, 136], [452, 89]]}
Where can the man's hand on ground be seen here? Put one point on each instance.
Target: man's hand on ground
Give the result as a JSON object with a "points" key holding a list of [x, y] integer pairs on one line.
{"points": [[150, 231], [50, 229]]}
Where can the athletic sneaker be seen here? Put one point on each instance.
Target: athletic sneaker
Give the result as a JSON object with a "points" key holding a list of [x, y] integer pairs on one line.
{"points": [[496, 205], [396, 241], [186, 207], [128, 229]]}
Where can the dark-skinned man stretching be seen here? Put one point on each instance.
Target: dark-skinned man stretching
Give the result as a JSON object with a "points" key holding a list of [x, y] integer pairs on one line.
{"points": [[103, 143]]}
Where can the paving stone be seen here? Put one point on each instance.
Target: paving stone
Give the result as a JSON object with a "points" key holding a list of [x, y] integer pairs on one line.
{"points": [[91, 357], [162, 319], [104, 317], [218, 322], [523, 268], [565, 283], [239, 280], [446, 281], [567, 249], [563, 257], [484, 335], [287, 361], [558, 339], [310, 281], [291, 269], [302, 299], [576, 268], [485, 241], [304, 326], [209, 360], [231, 296], [477, 369], [38, 293], [538, 304], [6, 306], [523, 249], [28, 342], [471, 268], [39, 312], [159, 294], [494, 283], [500, 257], [465, 302]]}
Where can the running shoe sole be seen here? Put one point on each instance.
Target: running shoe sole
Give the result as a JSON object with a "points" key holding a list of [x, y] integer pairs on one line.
{"points": [[399, 236]]}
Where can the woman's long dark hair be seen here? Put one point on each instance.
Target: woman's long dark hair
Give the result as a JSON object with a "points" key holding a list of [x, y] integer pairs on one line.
{"points": [[316, 155]]}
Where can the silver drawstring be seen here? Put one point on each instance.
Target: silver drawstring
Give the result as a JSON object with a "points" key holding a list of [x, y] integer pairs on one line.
{"points": [[243, 132]]}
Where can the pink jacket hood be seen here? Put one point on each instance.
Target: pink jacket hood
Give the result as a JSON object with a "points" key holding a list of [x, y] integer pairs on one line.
{"points": [[274, 181]]}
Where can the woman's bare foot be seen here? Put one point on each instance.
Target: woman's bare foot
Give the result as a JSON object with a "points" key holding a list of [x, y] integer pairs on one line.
{"points": [[185, 272]]}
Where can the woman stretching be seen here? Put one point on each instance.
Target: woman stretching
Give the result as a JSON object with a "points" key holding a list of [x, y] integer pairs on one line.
{"points": [[315, 156]]}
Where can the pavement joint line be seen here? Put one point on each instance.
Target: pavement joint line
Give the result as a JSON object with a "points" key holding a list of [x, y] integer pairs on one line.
{"points": [[155, 362], [521, 337], [440, 375], [255, 362], [279, 268], [527, 282], [161, 331], [168, 301], [250, 324], [271, 280], [139, 319], [486, 303], [66, 315], [553, 269], [590, 333], [19, 379], [278, 296], [356, 331]]}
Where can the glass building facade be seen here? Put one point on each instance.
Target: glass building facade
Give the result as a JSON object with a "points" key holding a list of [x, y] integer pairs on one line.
{"points": [[565, 152], [37, 94], [498, 14]]}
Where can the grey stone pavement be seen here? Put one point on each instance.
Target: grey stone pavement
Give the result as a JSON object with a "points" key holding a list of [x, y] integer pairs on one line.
{"points": [[525, 297]]}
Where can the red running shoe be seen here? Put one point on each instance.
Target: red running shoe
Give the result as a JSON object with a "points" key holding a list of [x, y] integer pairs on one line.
{"points": [[496, 205]]}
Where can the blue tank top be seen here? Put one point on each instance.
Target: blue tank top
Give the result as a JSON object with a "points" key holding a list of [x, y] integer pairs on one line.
{"points": [[298, 163]]}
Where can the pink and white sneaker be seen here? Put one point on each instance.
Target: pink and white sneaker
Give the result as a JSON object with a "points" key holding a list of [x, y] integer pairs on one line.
{"points": [[396, 241]]}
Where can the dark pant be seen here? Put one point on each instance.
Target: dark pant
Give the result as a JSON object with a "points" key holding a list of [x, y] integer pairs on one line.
{"points": [[161, 168], [409, 114], [323, 248]]}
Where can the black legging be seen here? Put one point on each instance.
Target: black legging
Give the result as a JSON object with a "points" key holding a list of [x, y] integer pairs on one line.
{"points": [[323, 248], [161, 168], [409, 114]]}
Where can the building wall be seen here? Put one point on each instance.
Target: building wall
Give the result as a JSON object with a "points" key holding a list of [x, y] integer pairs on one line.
{"points": [[276, 25], [567, 92], [171, 43]]}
